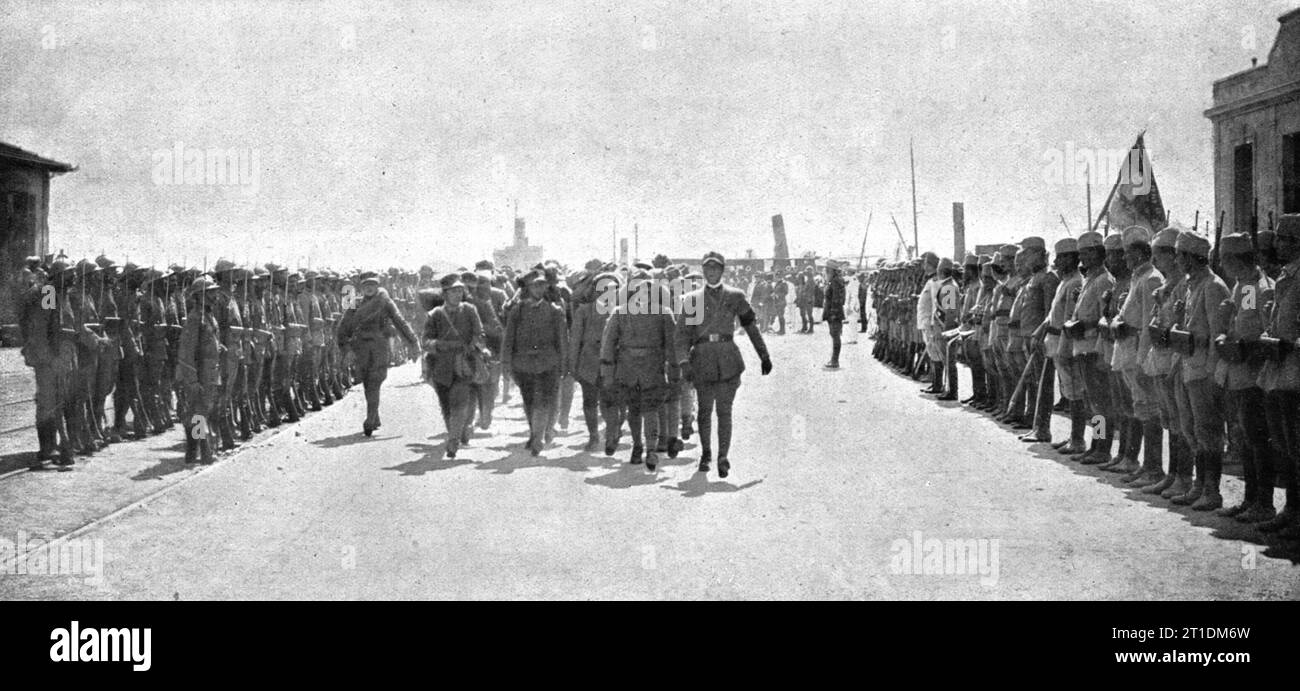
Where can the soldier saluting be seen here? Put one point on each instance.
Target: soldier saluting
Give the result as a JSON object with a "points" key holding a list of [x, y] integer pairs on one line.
{"points": [[709, 357]]}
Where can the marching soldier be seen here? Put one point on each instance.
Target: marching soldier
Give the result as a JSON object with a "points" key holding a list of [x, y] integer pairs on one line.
{"points": [[598, 395], [709, 357], [637, 357], [364, 333], [533, 351]]}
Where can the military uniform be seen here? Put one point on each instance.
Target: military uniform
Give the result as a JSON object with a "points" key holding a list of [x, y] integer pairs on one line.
{"points": [[39, 321], [706, 350], [637, 358], [365, 330], [1237, 373], [533, 351], [199, 369]]}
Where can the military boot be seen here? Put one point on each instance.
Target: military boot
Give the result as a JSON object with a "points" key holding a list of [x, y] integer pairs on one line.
{"points": [[1078, 423], [1288, 516], [1210, 498], [1262, 509], [1152, 471], [242, 415], [1197, 487]]}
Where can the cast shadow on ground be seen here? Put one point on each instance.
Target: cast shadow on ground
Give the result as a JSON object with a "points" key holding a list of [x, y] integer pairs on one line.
{"points": [[626, 477], [1219, 526], [349, 439], [432, 459], [699, 485], [167, 466]]}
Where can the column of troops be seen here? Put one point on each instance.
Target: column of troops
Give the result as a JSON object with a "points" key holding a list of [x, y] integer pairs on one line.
{"points": [[225, 353], [1154, 340]]}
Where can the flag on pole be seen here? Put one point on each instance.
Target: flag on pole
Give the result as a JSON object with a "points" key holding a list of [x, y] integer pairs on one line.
{"points": [[1135, 198]]}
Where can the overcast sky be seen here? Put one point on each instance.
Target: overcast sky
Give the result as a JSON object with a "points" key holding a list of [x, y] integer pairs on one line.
{"points": [[402, 132]]}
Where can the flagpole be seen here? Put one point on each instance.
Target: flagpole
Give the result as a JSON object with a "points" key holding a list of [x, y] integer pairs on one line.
{"points": [[1105, 208]]}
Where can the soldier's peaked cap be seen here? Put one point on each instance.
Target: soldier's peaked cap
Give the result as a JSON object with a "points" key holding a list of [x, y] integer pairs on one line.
{"points": [[945, 263], [482, 265], [1090, 239], [713, 258], [1008, 250], [1066, 246], [1113, 242], [368, 277], [1033, 242], [450, 281]]}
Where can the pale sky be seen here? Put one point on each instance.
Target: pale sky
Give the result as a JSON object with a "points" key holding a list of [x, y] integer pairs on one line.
{"points": [[401, 132]]}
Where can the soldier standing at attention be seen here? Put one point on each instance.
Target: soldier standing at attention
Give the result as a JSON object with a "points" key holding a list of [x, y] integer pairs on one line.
{"points": [[780, 290], [804, 292], [40, 323], [1126, 458], [637, 357], [709, 357], [1280, 378], [967, 342], [947, 298], [199, 368], [832, 314], [1132, 348], [533, 351], [1238, 374], [363, 333], [1200, 397], [1084, 336], [1059, 346], [1164, 365]]}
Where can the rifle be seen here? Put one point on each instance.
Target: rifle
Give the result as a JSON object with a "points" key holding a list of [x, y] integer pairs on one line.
{"points": [[1214, 252]]}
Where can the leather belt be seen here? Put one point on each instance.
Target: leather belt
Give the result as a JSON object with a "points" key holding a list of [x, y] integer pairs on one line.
{"points": [[713, 338]]}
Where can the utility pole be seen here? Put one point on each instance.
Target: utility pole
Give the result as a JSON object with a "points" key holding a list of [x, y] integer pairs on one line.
{"points": [[912, 156]]}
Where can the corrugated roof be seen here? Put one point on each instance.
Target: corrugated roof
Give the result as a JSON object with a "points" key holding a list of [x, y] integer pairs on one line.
{"points": [[9, 152]]}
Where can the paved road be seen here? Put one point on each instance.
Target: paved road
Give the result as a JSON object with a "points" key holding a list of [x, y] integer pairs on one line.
{"points": [[845, 484]]}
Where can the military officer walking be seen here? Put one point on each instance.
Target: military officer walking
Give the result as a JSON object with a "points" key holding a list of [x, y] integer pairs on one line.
{"points": [[709, 357]]}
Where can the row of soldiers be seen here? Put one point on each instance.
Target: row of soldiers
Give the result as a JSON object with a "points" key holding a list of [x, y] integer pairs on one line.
{"points": [[225, 352], [1147, 335]]}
